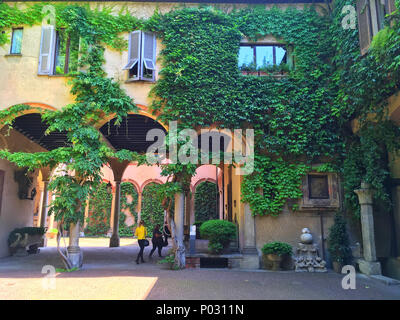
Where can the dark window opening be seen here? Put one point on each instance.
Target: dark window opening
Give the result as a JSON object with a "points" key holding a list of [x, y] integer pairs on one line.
{"points": [[67, 53], [318, 187], [213, 262]]}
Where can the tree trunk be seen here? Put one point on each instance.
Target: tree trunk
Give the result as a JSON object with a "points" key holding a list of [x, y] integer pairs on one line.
{"points": [[177, 225]]}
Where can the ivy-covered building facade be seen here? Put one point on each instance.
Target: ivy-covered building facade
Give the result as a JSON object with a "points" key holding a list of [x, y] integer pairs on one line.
{"points": [[83, 84]]}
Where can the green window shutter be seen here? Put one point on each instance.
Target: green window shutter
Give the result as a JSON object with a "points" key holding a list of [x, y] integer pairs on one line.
{"points": [[47, 48]]}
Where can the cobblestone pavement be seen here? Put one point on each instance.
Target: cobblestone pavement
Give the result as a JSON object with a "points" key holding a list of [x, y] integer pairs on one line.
{"points": [[111, 273]]}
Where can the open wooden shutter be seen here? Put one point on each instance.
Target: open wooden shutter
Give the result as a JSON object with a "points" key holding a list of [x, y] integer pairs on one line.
{"points": [[133, 49], [390, 6], [364, 25], [47, 48], [149, 51]]}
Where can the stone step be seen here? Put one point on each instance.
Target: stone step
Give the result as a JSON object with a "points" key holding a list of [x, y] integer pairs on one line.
{"points": [[385, 280]]}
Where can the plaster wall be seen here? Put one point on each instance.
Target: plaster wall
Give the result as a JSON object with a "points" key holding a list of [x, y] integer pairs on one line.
{"points": [[14, 213], [23, 84], [288, 225]]}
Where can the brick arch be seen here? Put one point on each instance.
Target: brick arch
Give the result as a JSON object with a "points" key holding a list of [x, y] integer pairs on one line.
{"points": [[136, 185], [36, 107], [194, 187], [148, 181], [142, 110]]}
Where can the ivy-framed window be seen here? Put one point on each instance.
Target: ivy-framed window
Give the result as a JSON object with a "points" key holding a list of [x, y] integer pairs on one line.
{"points": [[263, 57], [141, 56], [16, 41], [371, 19], [66, 53], [59, 52], [318, 186]]}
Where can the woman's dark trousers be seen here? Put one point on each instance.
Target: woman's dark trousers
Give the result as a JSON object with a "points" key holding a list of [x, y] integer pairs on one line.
{"points": [[158, 245], [140, 255]]}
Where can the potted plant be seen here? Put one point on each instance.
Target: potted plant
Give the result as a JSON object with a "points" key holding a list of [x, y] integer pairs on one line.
{"points": [[273, 253], [249, 69], [219, 233], [338, 243], [52, 233]]}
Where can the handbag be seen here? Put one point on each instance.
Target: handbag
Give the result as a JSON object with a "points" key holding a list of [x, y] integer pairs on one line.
{"points": [[165, 241], [146, 242]]}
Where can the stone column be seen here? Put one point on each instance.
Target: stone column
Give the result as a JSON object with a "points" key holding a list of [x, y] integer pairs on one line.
{"points": [[74, 251], [369, 264], [114, 240], [43, 209]]}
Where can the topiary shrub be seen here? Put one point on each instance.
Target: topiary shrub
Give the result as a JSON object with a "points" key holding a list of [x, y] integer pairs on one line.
{"points": [[219, 233], [278, 248], [338, 241]]}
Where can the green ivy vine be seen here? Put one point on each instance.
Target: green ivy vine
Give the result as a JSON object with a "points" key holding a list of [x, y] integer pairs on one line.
{"points": [[298, 120]]}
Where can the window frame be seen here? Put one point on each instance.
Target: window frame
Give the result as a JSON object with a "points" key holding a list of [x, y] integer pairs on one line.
{"points": [[254, 46], [140, 62], [310, 177], [56, 52], [12, 41]]}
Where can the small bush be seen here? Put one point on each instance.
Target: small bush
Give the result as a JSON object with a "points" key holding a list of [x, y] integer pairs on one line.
{"points": [[219, 233], [278, 248], [338, 241]]}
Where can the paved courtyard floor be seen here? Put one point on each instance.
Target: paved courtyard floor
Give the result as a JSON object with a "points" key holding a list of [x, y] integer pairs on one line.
{"points": [[111, 273]]}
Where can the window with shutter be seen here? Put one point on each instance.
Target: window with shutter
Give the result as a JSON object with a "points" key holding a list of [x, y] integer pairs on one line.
{"points": [[134, 55], [148, 63], [364, 25], [390, 6], [47, 47], [141, 56]]}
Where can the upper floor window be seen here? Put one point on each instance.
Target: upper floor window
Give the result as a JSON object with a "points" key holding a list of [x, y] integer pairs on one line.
{"points": [[16, 41], [66, 53], [371, 19], [58, 52], [141, 56], [263, 58]]}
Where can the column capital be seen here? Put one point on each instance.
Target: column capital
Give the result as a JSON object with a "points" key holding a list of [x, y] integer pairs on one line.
{"points": [[365, 194]]}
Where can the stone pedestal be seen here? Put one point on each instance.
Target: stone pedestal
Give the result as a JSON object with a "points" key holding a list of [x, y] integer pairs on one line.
{"points": [[368, 264], [369, 267], [308, 260], [74, 251]]}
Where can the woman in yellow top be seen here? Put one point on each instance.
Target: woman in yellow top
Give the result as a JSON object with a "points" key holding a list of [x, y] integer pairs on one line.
{"points": [[141, 233]]}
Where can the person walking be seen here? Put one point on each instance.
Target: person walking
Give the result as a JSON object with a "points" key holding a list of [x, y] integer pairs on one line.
{"points": [[141, 233], [157, 241]]}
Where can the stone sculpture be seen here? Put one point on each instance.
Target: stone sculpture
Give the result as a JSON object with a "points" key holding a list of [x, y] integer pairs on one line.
{"points": [[307, 258]]}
